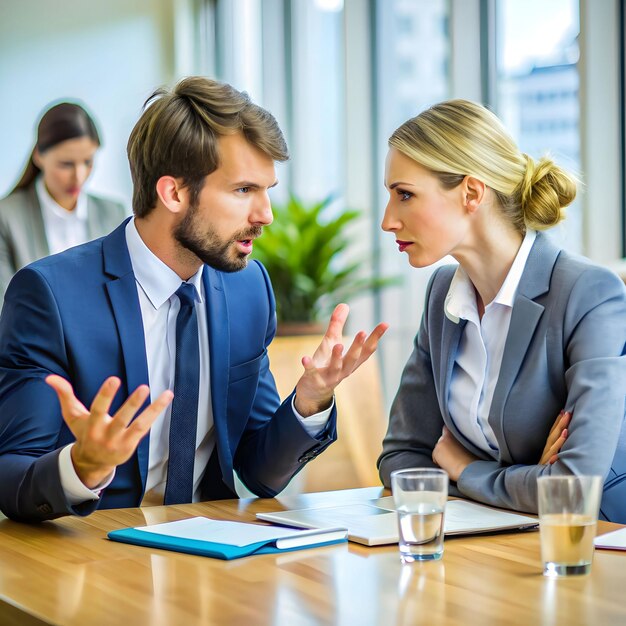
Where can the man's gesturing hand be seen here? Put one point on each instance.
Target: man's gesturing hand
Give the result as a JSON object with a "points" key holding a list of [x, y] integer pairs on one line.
{"points": [[329, 366], [103, 441]]}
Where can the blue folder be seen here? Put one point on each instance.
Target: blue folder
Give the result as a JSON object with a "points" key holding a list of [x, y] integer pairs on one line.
{"points": [[208, 548]]}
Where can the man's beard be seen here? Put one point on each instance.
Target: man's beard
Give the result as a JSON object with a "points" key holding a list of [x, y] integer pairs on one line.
{"points": [[209, 248]]}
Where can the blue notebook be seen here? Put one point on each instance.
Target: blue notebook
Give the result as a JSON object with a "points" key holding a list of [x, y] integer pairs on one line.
{"points": [[226, 540]]}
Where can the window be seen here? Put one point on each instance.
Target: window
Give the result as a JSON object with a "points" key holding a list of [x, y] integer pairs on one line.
{"points": [[412, 73], [537, 87], [622, 41], [317, 92]]}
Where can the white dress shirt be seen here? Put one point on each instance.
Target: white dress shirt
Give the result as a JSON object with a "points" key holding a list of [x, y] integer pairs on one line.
{"points": [[479, 355], [156, 287], [64, 229]]}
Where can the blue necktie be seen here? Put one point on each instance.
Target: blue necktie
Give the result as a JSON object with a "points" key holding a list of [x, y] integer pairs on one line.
{"points": [[179, 487]]}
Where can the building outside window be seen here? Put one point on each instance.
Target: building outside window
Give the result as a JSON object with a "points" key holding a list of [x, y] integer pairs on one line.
{"points": [[537, 87]]}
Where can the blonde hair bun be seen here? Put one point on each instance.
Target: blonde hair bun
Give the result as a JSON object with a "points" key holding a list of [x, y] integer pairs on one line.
{"points": [[544, 192]]}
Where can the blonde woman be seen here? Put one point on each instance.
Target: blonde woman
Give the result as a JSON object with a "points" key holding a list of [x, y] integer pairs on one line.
{"points": [[518, 368]]}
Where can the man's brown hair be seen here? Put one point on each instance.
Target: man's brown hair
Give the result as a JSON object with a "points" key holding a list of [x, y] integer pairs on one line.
{"points": [[177, 135]]}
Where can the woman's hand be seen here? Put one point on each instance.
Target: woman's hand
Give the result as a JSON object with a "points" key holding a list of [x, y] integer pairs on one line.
{"points": [[556, 439], [451, 456]]}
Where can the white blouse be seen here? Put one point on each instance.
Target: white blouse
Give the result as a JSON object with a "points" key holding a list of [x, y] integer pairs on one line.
{"points": [[64, 229], [479, 355]]}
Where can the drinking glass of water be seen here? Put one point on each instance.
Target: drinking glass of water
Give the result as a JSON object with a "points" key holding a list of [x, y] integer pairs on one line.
{"points": [[420, 497], [568, 513]]}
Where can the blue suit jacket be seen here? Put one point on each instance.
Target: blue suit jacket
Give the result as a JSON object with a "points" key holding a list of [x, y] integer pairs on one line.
{"points": [[564, 350], [77, 314]]}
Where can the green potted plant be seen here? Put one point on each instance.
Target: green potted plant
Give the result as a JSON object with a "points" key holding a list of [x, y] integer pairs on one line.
{"points": [[304, 251]]}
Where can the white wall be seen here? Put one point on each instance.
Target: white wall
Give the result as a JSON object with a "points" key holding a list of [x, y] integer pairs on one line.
{"points": [[110, 55]]}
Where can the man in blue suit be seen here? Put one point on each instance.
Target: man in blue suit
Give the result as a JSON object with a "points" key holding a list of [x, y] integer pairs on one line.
{"points": [[94, 340]]}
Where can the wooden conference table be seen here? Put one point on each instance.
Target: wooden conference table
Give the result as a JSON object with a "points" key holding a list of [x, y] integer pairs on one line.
{"points": [[67, 572]]}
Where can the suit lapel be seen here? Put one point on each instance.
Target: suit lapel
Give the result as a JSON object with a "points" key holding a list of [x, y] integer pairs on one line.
{"points": [[525, 316], [452, 333], [219, 351], [122, 290], [38, 240]]}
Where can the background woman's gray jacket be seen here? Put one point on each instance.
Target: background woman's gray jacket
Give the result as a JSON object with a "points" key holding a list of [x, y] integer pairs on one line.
{"points": [[22, 232]]}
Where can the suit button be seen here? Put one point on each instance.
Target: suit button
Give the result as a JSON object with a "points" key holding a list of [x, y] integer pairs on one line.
{"points": [[44, 508], [307, 456]]}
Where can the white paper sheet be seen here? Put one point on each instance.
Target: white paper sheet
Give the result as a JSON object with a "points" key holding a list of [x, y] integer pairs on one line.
{"points": [[615, 540], [231, 533]]}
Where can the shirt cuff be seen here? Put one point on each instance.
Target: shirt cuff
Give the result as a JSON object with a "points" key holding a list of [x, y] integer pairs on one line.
{"points": [[314, 424], [73, 488]]}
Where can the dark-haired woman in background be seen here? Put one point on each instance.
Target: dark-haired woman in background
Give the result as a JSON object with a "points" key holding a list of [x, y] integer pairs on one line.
{"points": [[48, 211], [519, 366]]}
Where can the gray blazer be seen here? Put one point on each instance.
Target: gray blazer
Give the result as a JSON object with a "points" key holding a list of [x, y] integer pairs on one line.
{"points": [[565, 349], [22, 232]]}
